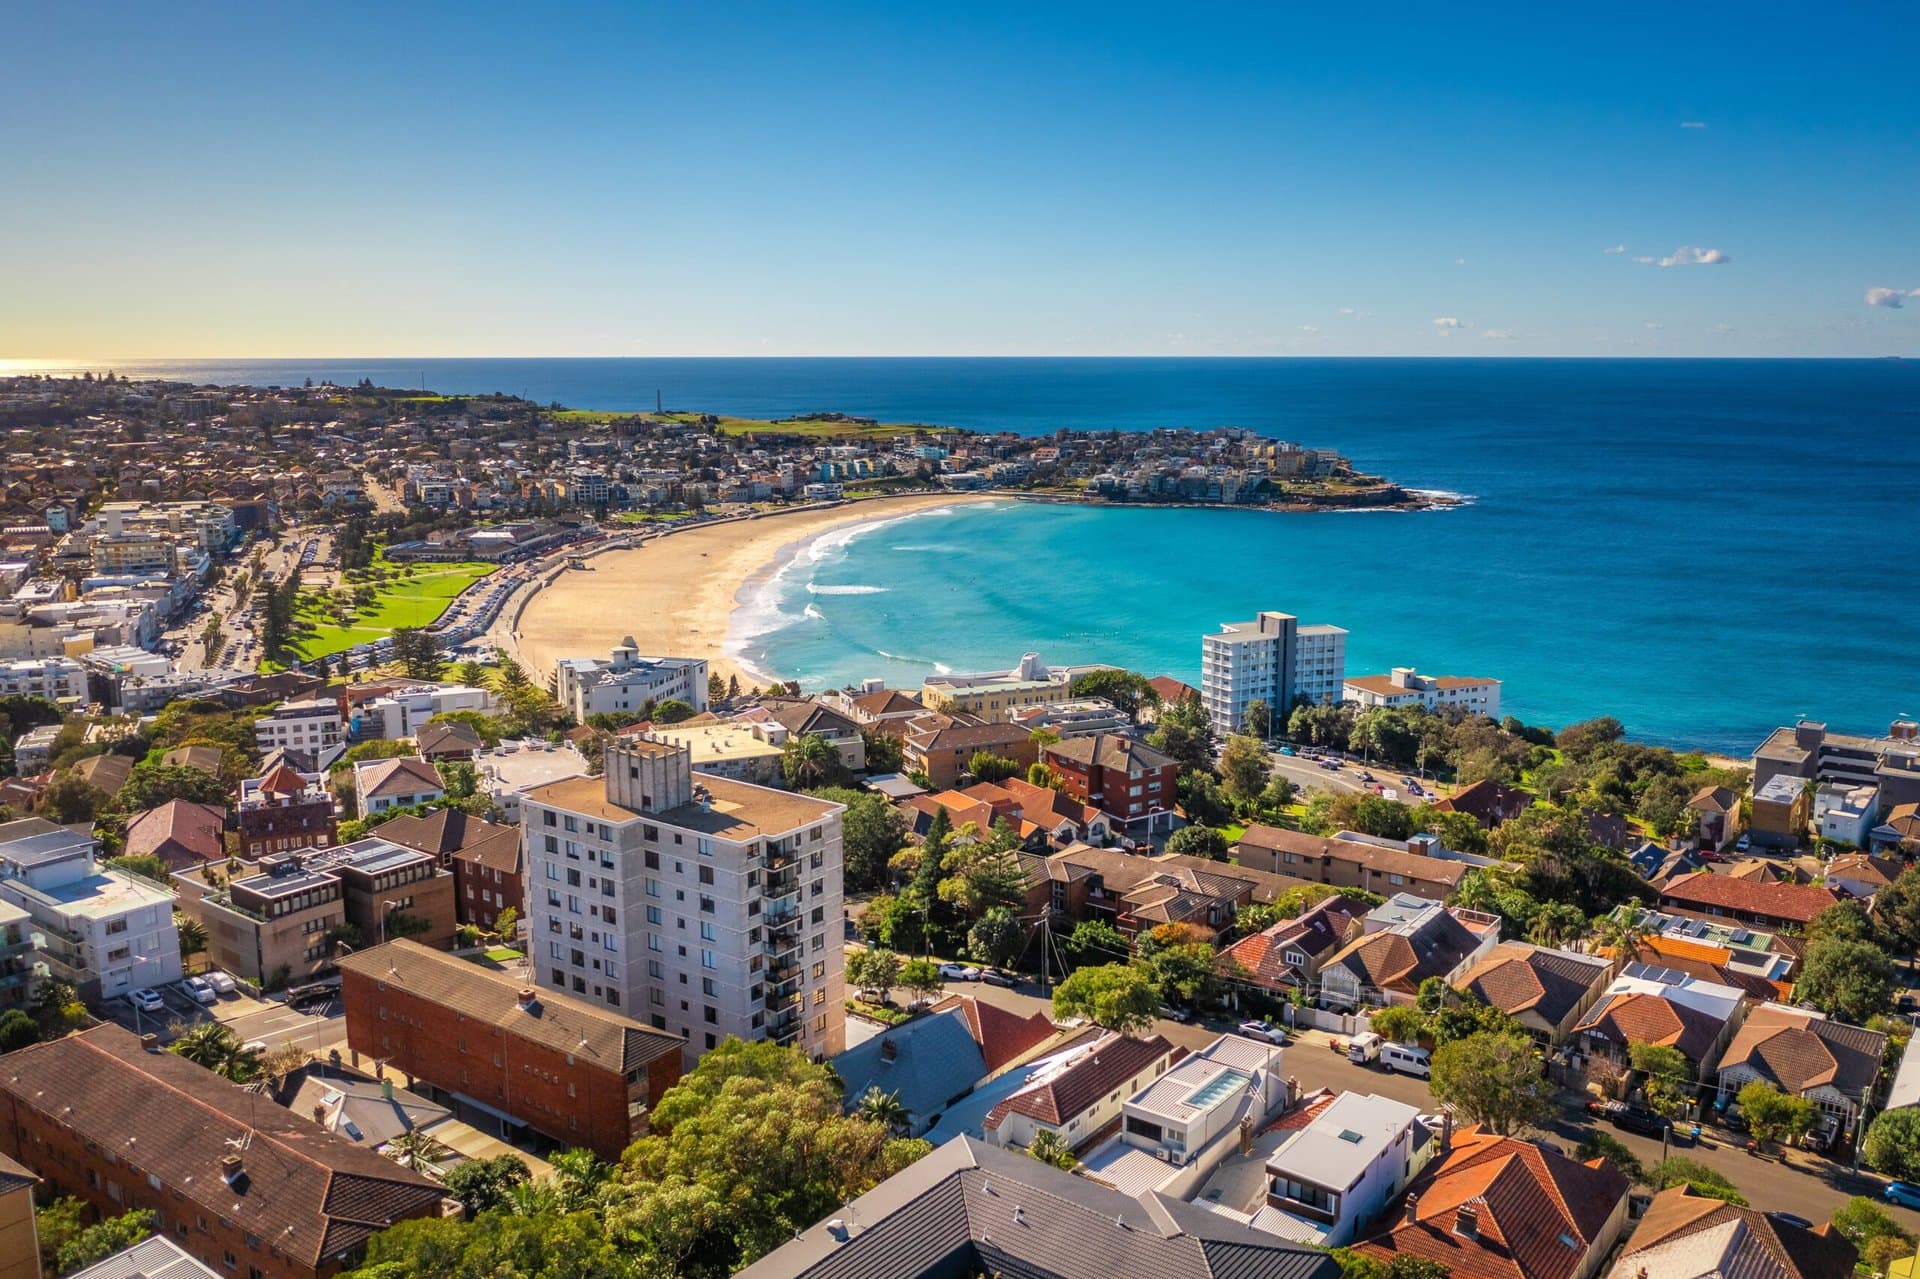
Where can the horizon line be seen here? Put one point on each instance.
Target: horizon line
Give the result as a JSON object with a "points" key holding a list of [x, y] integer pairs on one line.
{"points": [[17, 365]]}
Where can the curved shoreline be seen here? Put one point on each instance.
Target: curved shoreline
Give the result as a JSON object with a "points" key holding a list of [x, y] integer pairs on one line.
{"points": [[677, 592]]}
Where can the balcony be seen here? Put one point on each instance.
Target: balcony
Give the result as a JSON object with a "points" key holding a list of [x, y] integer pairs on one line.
{"points": [[778, 1002], [784, 909]]}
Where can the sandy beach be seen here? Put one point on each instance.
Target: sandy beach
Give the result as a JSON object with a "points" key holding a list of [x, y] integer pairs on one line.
{"points": [[676, 594]]}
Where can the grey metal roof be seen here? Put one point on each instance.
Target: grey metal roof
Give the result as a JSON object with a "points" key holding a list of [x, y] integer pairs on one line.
{"points": [[935, 1061], [969, 1207]]}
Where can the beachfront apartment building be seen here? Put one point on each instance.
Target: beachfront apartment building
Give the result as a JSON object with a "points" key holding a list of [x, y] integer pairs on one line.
{"points": [[1807, 751], [700, 905], [104, 931], [58, 679], [1406, 687], [313, 732], [994, 696], [1272, 659], [627, 682]]}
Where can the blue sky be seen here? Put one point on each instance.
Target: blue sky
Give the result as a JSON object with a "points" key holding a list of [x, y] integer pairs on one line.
{"points": [[959, 179]]}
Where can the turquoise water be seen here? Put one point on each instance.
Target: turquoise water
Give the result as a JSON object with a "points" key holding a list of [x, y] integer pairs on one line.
{"points": [[1704, 548]]}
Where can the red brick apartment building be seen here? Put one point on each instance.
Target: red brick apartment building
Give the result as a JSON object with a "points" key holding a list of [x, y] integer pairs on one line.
{"points": [[1128, 780], [570, 1070], [251, 1189]]}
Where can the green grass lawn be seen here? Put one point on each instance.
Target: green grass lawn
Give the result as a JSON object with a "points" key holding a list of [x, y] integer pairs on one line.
{"points": [[399, 601]]}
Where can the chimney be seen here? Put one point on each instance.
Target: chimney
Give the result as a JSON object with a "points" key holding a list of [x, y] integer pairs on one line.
{"points": [[889, 1050], [1413, 1207], [527, 998], [319, 1113], [386, 1090], [1466, 1222], [231, 1169], [1446, 1130], [150, 1043]]}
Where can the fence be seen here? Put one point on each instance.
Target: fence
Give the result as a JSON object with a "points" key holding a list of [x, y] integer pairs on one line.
{"points": [[1325, 1019]]}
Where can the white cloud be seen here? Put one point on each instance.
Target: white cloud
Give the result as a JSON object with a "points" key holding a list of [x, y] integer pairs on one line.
{"points": [[1309, 328], [1693, 124], [1445, 324], [1893, 299], [1499, 335], [1618, 248], [1688, 255], [1349, 310]]}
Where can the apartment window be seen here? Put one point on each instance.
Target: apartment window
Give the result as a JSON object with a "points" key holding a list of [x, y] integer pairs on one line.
{"points": [[706, 904], [552, 843], [712, 1015], [548, 819], [652, 887], [710, 988], [653, 915], [708, 932], [553, 898], [652, 860], [819, 969], [572, 825], [709, 960], [116, 926], [706, 874]]}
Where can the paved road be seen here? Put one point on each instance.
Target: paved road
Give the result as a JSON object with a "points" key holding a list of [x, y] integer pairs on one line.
{"points": [[1811, 1187]]}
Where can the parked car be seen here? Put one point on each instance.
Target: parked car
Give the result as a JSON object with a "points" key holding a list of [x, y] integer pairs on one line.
{"points": [[148, 1000], [994, 977], [959, 972], [1904, 1193], [1288, 750], [200, 989], [1743, 843], [1632, 1118], [1263, 1030], [1406, 1059], [1175, 1014], [1364, 1047], [1790, 1219]]}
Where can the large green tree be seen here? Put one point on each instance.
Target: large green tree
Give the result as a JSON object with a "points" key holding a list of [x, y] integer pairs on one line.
{"points": [[996, 938], [1127, 690], [1845, 977], [1892, 1143], [871, 832], [1118, 996], [1244, 768], [1493, 1080], [749, 1146]]}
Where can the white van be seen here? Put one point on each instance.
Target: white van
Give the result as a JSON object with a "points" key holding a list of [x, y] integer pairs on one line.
{"points": [[1364, 1047], [1407, 1059]]}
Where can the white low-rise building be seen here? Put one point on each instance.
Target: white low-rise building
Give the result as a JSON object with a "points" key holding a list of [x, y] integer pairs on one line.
{"points": [[1339, 1172], [1406, 687], [105, 931], [513, 768], [312, 731], [1844, 813], [627, 682], [58, 679], [405, 712]]}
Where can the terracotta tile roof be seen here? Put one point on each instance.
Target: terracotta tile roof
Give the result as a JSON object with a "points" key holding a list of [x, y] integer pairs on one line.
{"points": [[1798, 903], [303, 1190], [1353, 852], [1399, 962], [402, 775], [1114, 1061], [1488, 802], [1765, 1248], [179, 832], [1317, 931], [282, 780], [450, 834], [1635, 1017], [1798, 1052], [595, 1035], [1872, 870], [207, 759], [1111, 750], [447, 737], [1715, 799], [1515, 977], [1536, 1213], [1003, 1036], [1172, 690]]}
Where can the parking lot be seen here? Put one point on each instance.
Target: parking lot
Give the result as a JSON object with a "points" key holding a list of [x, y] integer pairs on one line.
{"points": [[267, 1021]]}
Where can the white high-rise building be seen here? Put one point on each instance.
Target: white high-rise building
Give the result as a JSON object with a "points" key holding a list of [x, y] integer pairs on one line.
{"points": [[1272, 658], [704, 906]]}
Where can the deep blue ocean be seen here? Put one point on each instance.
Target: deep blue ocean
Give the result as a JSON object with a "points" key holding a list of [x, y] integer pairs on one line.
{"points": [[1704, 548]]}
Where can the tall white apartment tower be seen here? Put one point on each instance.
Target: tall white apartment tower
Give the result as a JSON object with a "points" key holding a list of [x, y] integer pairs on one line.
{"points": [[703, 906], [1272, 658]]}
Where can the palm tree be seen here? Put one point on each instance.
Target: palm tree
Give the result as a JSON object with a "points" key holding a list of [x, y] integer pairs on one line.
{"points": [[413, 1148], [1050, 1148], [193, 934], [808, 760], [579, 1177], [214, 1046], [884, 1108]]}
